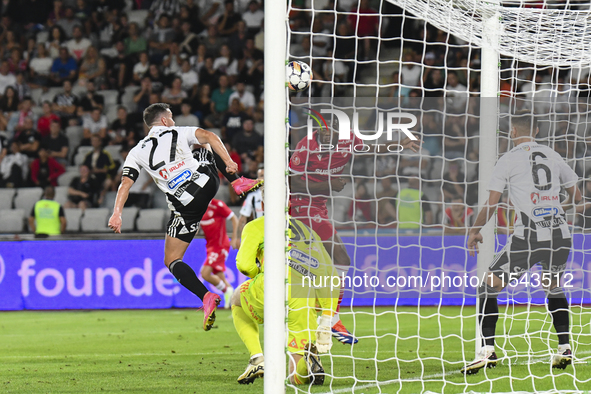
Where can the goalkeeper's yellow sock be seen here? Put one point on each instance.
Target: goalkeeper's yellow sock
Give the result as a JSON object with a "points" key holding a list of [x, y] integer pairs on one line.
{"points": [[247, 330], [302, 375]]}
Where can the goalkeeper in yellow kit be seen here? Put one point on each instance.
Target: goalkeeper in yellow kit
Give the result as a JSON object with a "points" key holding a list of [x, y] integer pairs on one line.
{"points": [[308, 334]]}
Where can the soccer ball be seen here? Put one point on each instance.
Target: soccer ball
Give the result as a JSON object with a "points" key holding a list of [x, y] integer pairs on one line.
{"points": [[299, 76]]}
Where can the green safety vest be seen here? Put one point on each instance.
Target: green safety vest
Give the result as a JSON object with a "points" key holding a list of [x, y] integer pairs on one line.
{"points": [[47, 217], [409, 208]]}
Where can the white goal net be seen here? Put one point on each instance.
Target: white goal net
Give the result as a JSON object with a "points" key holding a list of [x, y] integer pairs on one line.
{"points": [[401, 217]]}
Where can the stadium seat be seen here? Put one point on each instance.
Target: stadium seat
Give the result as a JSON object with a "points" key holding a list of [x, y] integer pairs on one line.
{"points": [[127, 98], [152, 220], [74, 134], [82, 152], [26, 197], [79, 90], [128, 217], [95, 220], [109, 200], [12, 221], [50, 94], [217, 132], [61, 194], [6, 197], [159, 200], [114, 151], [139, 17], [110, 96], [42, 37], [66, 177], [111, 113], [36, 95], [73, 216], [37, 111]]}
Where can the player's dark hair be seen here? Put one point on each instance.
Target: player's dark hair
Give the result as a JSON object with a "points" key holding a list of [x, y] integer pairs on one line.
{"points": [[525, 123], [153, 112]]}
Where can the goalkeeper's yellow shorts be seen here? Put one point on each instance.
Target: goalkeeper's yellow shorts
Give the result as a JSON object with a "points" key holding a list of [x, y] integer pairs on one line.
{"points": [[301, 317]]}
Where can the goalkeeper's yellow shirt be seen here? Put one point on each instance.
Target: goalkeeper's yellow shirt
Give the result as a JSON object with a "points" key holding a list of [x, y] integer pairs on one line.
{"points": [[311, 268]]}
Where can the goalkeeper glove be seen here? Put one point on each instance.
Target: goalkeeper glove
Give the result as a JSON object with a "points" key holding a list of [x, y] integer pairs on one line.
{"points": [[324, 334]]}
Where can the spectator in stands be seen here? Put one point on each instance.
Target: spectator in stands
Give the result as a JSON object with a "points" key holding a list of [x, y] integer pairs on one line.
{"points": [[16, 123], [254, 77], [119, 67], [227, 23], [189, 78], [40, 67], [386, 205], [237, 41], [78, 45], [165, 7], [186, 118], [65, 105], [123, 131], [57, 12], [202, 106], [209, 75], [94, 124], [21, 86], [141, 68], [101, 165], [16, 62], [367, 26], [410, 72], [10, 42], [142, 95], [57, 143], [361, 210], [157, 78], [14, 167], [225, 63], [453, 182], [9, 104], [82, 190], [174, 95], [93, 68], [188, 41], [213, 42], [160, 39], [248, 141], [55, 43], [64, 68], [135, 43], [433, 80], [454, 140], [29, 139], [6, 77], [47, 216], [456, 93], [198, 60], [220, 100], [458, 217], [45, 169], [412, 206], [247, 100], [232, 121], [172, 61], [90, 100], [68, 22], [45, 120], [253, 18]]}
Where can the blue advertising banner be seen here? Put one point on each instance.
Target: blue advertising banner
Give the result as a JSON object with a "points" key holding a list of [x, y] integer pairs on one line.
{"points": [[108, 274]]}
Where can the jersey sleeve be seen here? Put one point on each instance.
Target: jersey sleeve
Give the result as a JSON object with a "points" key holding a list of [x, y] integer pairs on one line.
{"points": [[498, 179], [131, 167], [246, 209], [253, 236], [567, 176], [224, 211], [297, 163], [188, 133]]}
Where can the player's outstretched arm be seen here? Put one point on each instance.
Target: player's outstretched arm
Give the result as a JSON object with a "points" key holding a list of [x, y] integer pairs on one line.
{"points": [[574, 195], [483, 217], [235, 243], [122, 194], [207, 137]]}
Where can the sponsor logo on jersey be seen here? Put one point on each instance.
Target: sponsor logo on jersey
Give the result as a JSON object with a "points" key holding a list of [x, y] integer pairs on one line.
{"points": [[163, 173], [304, 258], [331, 171], [554, 222], [177, 166], [301, 270], [535, 198], [526, 148], [180, 178], [549, 198], [546, 211]]}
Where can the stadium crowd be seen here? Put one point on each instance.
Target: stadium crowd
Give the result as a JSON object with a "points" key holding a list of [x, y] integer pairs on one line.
{"points": [[75, 76]]}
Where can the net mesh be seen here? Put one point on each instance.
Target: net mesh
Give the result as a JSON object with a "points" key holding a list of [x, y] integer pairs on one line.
{"points": [[404, 216]]}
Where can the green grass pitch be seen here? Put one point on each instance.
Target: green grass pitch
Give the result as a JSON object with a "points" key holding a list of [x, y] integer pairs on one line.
{"points": [[162, 351]]}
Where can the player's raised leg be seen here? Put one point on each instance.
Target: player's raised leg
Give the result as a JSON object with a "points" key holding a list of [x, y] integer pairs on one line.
{"points": [[174, 250], [241, 185]]}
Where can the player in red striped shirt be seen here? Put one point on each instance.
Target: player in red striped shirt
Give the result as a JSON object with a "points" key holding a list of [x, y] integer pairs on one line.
{"points": [[218, 245]]}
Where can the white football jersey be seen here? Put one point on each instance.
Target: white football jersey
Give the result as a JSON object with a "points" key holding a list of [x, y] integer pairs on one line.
{"points": [[534, 174], [253, 203], [165, 153]]}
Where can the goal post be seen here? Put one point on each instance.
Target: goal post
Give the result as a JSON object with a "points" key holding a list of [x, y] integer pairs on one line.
{"points": [[275, 152]]}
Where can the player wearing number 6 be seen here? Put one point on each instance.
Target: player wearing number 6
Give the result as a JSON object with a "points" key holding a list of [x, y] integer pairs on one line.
{"points": [[189, 181], [534, 174]]}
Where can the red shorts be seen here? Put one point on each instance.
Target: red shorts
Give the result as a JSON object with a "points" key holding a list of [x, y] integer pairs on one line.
{"points": [[216, 259], [316, 218]]}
